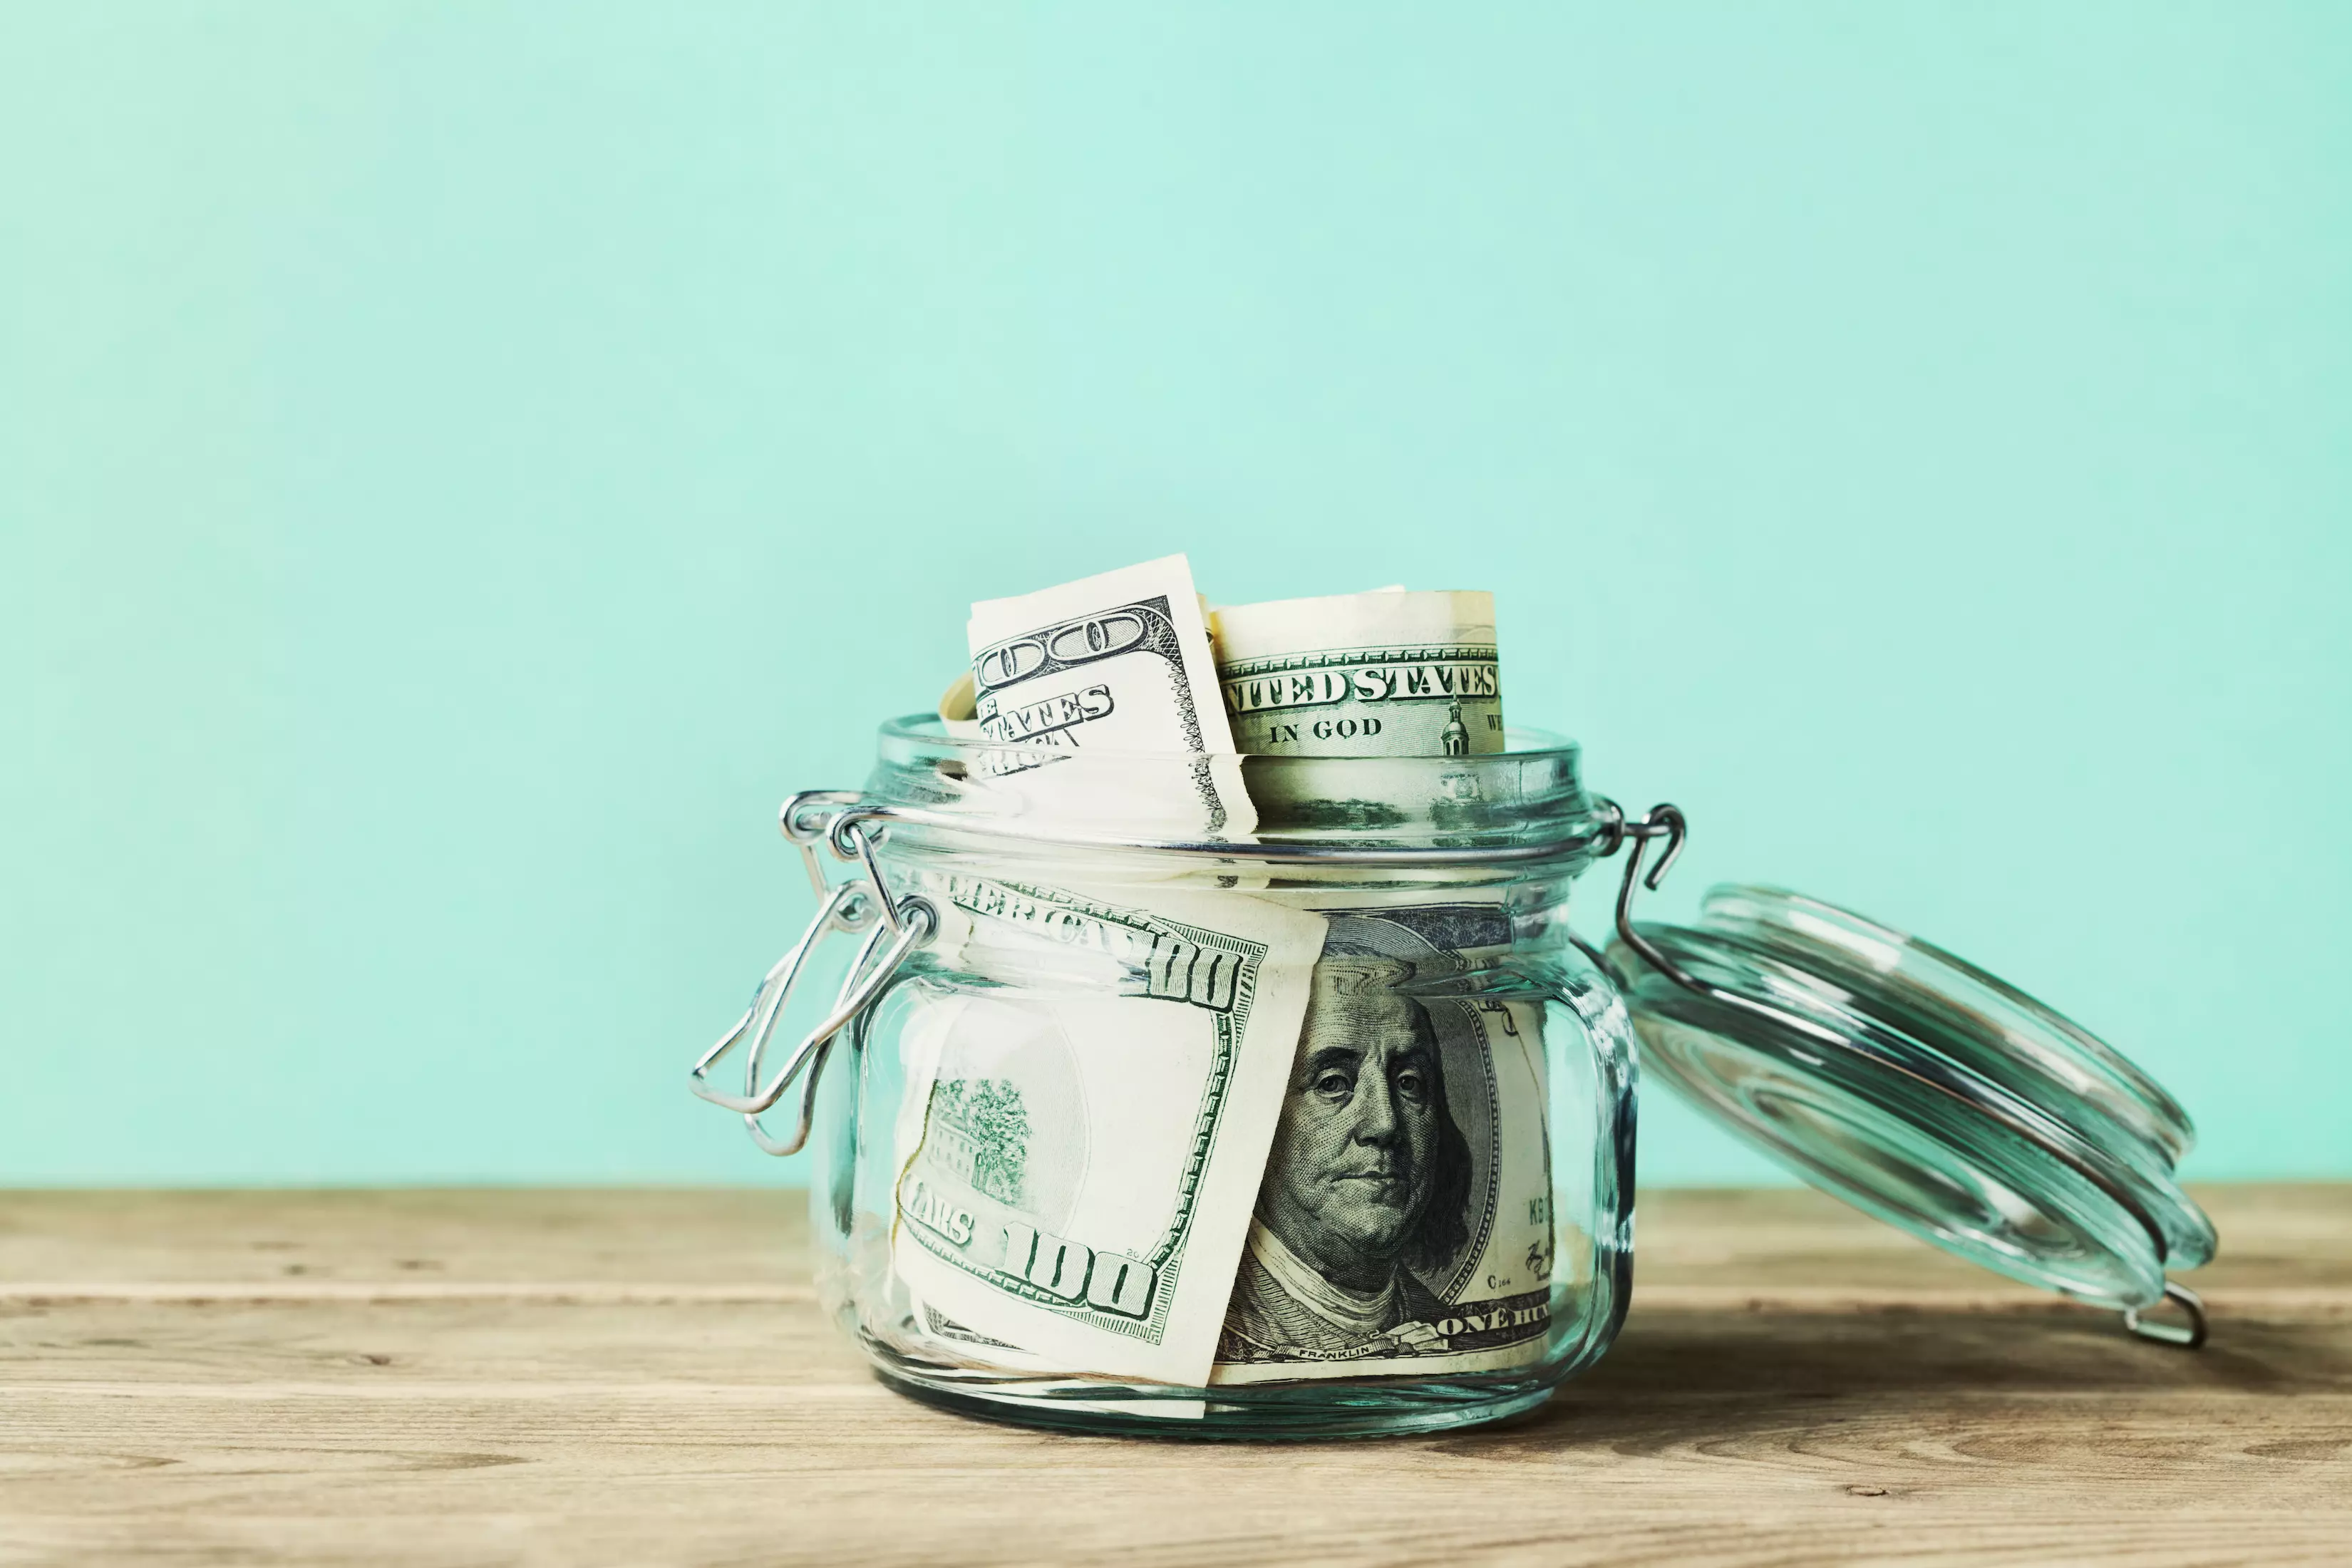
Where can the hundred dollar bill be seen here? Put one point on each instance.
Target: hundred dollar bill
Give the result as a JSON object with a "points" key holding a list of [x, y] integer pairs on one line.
{"points": [[1388, 673], [1114, 673], [1093, 1127], [934, 1335], [935, 1021], [1404, 1221]]}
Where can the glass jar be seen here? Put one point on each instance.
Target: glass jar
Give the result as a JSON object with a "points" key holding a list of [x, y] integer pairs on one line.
{"points": [[1330, 1131]]}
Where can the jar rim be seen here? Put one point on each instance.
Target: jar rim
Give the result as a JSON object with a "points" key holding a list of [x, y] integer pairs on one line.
{"points": [[1524, 804], [929, 729]]}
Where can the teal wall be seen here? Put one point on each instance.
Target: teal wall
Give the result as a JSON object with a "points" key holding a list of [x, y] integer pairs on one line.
{"points": [[461, 465]]}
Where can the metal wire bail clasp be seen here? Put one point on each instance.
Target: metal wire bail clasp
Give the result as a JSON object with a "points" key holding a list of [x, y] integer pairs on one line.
{"points": [[816, 821]]}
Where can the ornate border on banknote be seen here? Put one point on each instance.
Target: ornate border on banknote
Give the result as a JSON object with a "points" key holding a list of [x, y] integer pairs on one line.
{"points": [[1173, 961], [1142, 626]]}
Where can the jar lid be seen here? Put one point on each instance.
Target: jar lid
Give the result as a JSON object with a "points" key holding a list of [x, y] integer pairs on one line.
{"points": [[1920, 1089]]}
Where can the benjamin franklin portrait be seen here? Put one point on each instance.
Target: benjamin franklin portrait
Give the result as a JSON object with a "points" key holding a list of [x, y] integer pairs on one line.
{"points": [[1366, 1190]]}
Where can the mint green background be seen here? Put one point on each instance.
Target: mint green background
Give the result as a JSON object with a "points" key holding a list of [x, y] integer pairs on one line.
{"points": [[461, 465]]}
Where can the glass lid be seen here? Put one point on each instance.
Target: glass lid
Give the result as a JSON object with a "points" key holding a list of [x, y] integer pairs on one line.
{"points": [[1918, 1088]]}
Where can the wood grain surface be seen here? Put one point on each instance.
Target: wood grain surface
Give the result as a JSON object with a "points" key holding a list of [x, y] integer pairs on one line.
{"points": [[643, 1377]]}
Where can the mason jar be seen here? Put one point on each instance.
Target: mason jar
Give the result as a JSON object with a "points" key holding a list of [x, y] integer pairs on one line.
{"points": [[1328, 1129]]}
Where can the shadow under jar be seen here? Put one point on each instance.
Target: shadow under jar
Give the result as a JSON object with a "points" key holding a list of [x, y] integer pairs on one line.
{"points": [[1327, 1128]]}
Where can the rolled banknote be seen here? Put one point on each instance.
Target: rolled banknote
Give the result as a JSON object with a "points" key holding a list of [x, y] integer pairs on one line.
{"points": [[1114, 675], [1083, 1140], [1404, 1225], [1228, 1138], [1404, 1221], [1388, 673]]}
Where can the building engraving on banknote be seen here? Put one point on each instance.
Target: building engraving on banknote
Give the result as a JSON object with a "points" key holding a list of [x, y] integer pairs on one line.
{"points": [[999, 1179]]}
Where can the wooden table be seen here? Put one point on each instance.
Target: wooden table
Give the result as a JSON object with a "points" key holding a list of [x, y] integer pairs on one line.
{"points": [[643, 1377]]}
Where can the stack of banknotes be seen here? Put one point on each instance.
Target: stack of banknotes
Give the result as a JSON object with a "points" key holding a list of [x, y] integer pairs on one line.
{"points": [[1263, 1132]]}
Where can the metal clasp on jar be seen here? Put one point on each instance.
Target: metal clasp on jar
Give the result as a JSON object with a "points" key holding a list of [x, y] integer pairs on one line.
{"points": [[815, 821]]}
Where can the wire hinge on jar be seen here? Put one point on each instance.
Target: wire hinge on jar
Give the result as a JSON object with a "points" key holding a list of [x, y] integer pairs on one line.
{"points": [[817, 821]]}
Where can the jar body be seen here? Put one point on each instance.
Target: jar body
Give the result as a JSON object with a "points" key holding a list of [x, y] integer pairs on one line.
{"points": [[1387, 1174]]}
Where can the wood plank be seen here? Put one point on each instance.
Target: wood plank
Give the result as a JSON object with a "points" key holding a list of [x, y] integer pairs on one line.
{"points": [[411, 1237], [2295, 1236], [821, 1475], [362, 1347], [645, 1378], [2275, 1236]]}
